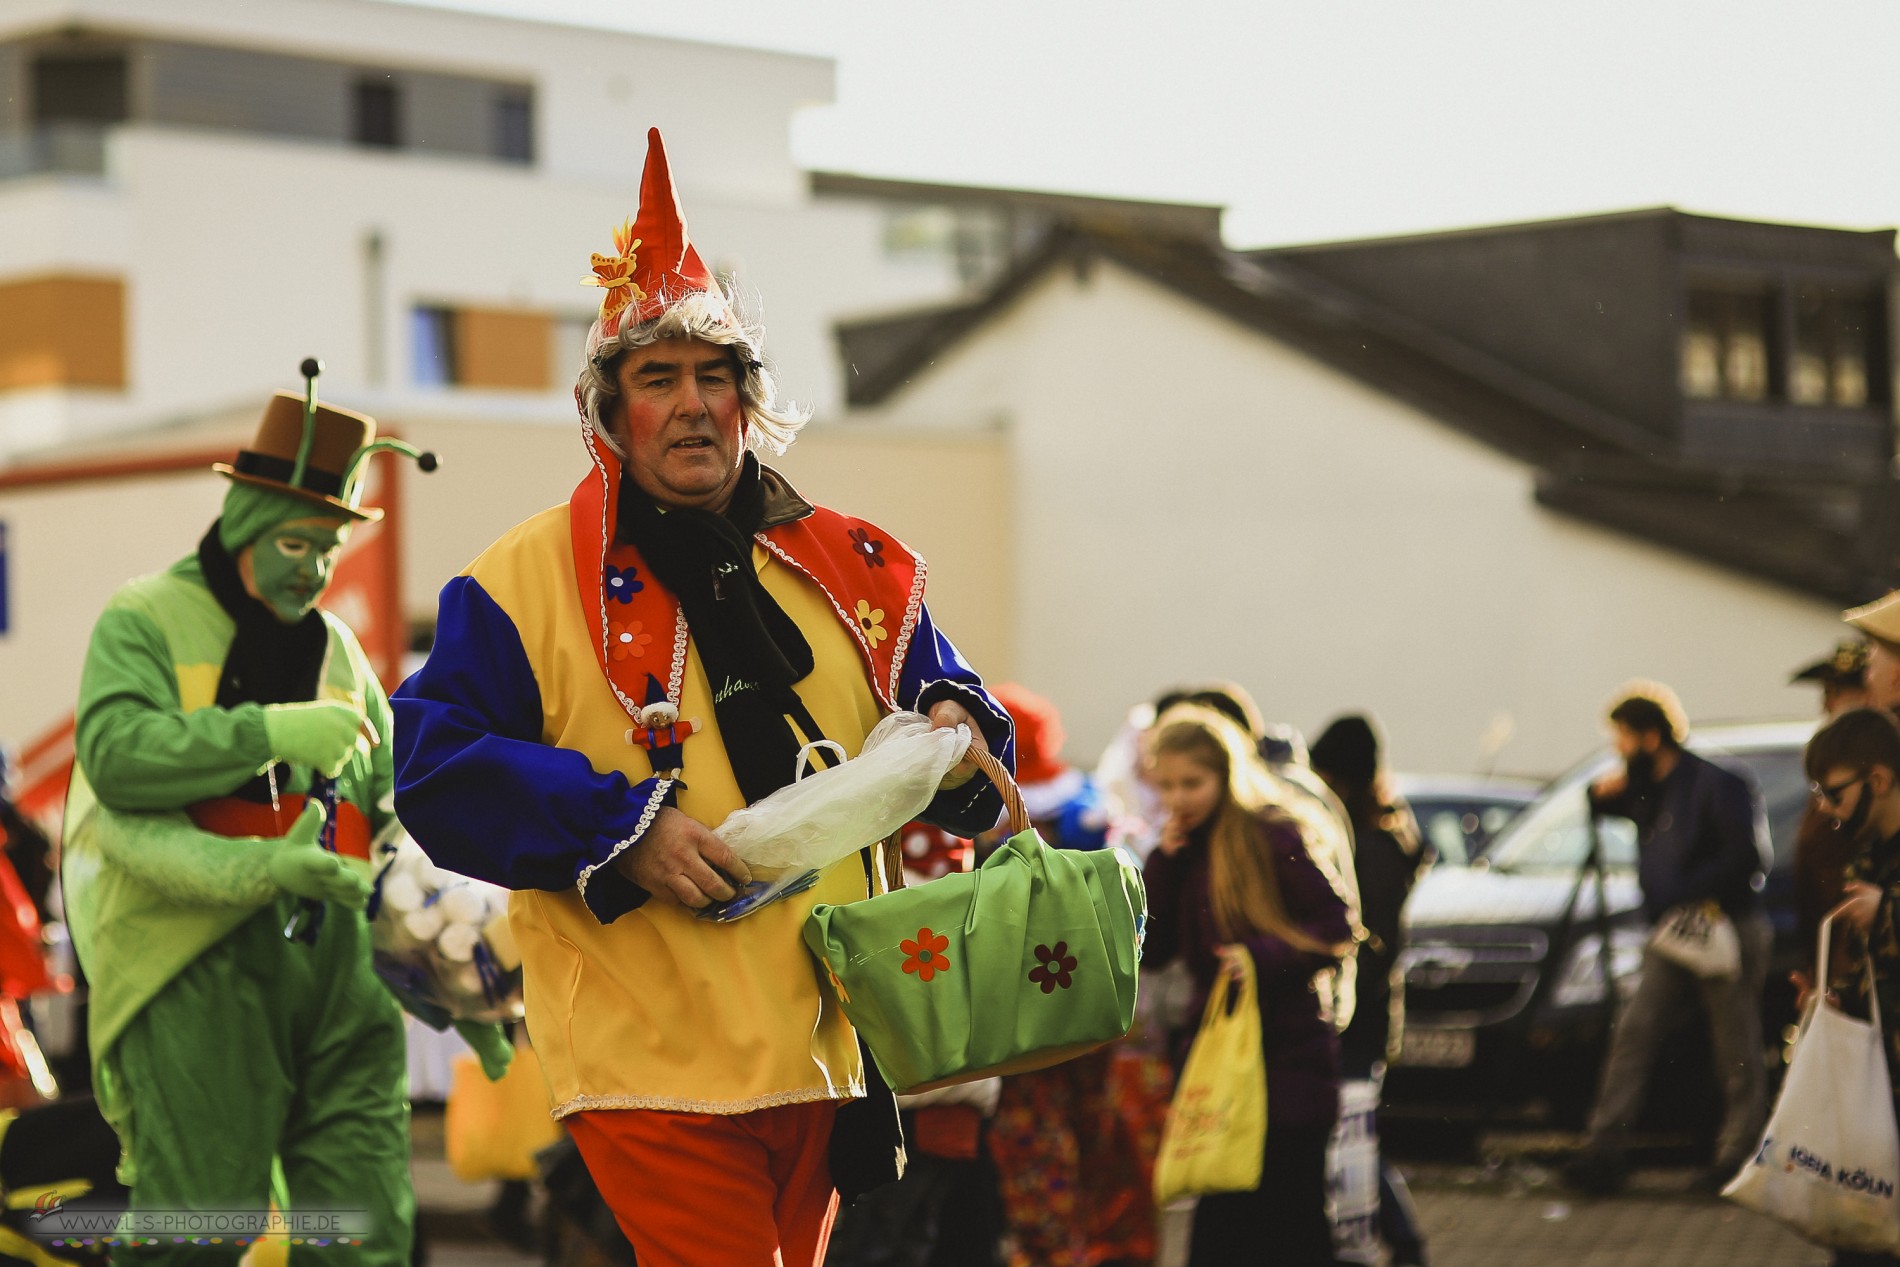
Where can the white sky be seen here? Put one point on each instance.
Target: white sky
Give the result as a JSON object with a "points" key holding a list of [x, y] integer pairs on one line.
{"points": [[1315, 119]]}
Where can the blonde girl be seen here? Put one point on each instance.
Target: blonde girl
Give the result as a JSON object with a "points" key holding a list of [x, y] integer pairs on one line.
{"points": [[1231, 880]]}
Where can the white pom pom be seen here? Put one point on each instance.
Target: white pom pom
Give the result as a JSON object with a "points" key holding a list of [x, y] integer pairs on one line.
{"points": [[401, 893], [424, 924], [457, 942], [463, 904]]}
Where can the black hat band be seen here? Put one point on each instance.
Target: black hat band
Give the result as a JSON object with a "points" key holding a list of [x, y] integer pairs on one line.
{"points": [[278, 470]]}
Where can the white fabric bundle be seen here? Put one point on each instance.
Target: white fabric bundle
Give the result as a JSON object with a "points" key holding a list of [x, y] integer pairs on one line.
{"points": [[832, 814], [428, 928]]}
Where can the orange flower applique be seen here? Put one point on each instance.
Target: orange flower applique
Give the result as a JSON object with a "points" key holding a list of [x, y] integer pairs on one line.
{"points": [[627, 639], [615, 273], [926, 957], [871, 621]]}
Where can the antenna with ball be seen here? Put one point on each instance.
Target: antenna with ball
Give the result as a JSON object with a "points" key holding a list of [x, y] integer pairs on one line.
{"points": [[310, 368], [353, 481]]}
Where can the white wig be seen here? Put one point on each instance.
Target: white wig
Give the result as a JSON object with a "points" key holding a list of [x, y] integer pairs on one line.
{"points": [[710, 318]]}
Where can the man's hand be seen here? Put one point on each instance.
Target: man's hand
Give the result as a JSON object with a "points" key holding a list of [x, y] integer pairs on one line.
{"points": [[321, 734], [306, 869], [1859, 906], [947, 714], [1613, 784], [677, 857]]}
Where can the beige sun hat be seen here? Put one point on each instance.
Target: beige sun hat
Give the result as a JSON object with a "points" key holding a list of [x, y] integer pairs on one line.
{"points": [[1880, 618]]}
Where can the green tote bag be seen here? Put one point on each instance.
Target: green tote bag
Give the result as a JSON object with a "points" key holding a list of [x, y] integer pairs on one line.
{"points": [[1023, 963]]}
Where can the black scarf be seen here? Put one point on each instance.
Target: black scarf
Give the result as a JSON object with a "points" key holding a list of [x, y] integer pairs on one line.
{"points": [[752, 650], [269, 662]]}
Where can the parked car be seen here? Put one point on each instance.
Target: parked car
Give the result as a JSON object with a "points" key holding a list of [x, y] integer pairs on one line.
{"points": [[1461, 816], [1505, 999]]}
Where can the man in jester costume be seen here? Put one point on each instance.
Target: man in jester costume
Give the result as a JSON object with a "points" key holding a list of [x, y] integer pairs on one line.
{"points": [[232, 768], [714, 1087]]}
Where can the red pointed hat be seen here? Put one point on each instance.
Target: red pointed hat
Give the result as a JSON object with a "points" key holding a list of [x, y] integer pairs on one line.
{"points": [[654, 264]]}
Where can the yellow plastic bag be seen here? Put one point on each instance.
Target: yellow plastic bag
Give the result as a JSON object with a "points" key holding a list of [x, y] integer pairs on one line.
{"points": [[494, 1129], [1216, 1136]]}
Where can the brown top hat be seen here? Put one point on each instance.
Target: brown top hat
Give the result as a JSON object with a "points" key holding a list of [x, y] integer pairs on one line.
{"points": [[272, 458]]}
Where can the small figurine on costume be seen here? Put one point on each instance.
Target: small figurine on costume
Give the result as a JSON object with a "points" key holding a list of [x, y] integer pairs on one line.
{"points": [[661, 732], [232, 769]]}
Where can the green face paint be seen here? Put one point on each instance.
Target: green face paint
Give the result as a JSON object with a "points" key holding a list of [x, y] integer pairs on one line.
{"points": [[289, 566]]}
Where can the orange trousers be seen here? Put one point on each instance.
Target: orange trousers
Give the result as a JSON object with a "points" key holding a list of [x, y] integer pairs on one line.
{"points": [[713, 1190]]}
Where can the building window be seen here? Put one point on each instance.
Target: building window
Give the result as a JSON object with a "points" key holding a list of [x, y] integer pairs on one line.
{"points": [[1727, 343], [514, 125], [1837, 342], [64, 330], [376, 113], [973, 240], [80, 90], [569, 349], [432, 346], [486, 349]]}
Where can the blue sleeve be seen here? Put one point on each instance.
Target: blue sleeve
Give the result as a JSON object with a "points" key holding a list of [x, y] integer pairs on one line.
{"points": [[1083, 823], [480, 792], [934, 671]]}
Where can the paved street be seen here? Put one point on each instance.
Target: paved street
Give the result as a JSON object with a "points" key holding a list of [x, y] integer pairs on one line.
{"points": [[1521, 1216], [1516, 1216]]}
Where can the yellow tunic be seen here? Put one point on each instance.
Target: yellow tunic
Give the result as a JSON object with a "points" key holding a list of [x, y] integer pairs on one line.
{"points": [[659, 1010]]}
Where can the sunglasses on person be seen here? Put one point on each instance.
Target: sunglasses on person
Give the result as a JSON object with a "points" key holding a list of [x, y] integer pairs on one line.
{"points": [[1832, 795]]}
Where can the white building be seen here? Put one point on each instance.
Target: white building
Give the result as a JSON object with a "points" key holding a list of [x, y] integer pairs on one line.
{"points": [[197, 195], [194, 196]]}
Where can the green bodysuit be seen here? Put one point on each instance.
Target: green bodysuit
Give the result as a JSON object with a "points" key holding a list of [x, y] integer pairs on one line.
{"points": [[218, 1045]]}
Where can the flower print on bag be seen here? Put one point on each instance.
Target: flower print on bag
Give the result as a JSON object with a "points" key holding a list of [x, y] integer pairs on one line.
{"points": [[1055, 969], [871, 621], [925, 955], [867, 547], [623, 583], [627, 639]]}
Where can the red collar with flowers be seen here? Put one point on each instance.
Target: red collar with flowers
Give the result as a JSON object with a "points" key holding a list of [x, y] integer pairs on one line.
{"points": [[872, 581]]}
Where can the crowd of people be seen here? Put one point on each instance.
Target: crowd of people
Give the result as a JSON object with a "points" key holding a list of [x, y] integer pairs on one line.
{"points": [[613, 678]]}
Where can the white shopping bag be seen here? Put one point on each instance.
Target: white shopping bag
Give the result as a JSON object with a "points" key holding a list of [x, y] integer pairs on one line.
{"points": [[1830, 1159], [1699, 937], [1352, 1173]]}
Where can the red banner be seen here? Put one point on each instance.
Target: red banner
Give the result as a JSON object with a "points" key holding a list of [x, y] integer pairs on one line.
{"points": [[366, 594]]}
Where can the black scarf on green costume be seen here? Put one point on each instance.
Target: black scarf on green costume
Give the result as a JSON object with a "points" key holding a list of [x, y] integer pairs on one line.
{"points": [[269, 662], [753, 651]]}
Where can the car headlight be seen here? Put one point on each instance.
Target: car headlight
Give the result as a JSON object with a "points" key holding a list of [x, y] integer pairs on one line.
{"points": [[1581, 980]]}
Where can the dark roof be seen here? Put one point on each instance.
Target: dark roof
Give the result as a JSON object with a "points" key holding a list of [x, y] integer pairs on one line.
{"points": [[1835, 538], [1199, 221]]}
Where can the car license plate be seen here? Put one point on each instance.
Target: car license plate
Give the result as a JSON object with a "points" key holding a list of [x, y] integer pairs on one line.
{"points": [[1438, 1048]]}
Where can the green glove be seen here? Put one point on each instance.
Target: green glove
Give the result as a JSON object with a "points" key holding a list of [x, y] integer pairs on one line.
{"points": [[306, 869], [491, 1043], [321, 734]]}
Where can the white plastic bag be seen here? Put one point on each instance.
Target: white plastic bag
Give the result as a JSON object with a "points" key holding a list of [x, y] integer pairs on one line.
{"points": [[832, 814], [1699, 937], [1830, 1159]]}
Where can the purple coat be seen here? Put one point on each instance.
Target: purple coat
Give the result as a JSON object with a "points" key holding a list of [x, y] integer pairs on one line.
{"points": [[1299, 1044]]}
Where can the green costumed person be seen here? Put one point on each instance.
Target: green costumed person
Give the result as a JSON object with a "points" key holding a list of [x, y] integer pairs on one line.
{"points": [[232, 770]]}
